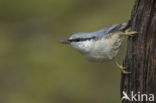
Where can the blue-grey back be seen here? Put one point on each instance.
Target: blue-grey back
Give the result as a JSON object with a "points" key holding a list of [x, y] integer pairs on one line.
{"points": [[106, 32]]}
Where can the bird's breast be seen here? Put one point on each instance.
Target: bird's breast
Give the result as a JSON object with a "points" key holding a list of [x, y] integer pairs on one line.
{"points": [[104, 49]]}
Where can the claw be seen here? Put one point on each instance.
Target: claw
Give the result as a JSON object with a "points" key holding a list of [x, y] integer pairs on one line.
{"points": [[122, 68], [125, 72], [131, 33]]}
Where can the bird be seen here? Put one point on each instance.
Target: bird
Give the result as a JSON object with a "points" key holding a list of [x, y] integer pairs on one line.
{"points": [[102, 45]]}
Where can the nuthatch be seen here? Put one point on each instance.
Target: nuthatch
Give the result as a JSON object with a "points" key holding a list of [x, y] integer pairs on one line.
{"points": [[102, 45]]}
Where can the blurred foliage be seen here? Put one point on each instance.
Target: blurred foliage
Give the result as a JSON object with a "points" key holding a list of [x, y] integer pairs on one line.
{"points": [[36, 68]]}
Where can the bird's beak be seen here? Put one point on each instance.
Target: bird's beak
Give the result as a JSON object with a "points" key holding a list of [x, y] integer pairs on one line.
{"points": [[64, 41]]}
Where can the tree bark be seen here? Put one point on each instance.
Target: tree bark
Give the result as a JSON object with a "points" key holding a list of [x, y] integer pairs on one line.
{"points": [[141, 54]]}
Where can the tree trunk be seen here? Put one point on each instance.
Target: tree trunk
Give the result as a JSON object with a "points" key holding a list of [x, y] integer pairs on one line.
{"points": [[141, 55]]}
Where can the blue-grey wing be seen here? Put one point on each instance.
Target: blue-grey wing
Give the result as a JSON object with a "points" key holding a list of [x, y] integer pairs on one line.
{"points": [[107, 32]]}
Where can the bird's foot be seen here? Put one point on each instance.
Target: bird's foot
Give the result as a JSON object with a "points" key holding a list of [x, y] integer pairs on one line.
{"points": [[123, 69], [131, 33]]}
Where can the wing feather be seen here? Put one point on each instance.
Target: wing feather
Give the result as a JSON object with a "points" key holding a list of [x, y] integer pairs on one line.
{"points": [[107, 32]]}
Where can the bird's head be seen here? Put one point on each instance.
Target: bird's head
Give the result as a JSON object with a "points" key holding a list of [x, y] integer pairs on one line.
{"points": [[80, 41]]}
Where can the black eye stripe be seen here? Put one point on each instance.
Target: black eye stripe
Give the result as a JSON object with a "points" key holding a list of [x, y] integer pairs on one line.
{"points": [[80, 39]]}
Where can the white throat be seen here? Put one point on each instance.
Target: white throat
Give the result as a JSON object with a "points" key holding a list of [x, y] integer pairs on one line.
{"points": [[83, 46]]}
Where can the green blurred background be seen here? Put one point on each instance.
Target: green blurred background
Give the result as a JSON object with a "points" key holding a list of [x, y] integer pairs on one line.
{"points": [[36, 68]]}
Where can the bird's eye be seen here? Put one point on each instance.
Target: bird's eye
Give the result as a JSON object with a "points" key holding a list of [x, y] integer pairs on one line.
{"points": [[80, 39], [77, 40]]}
